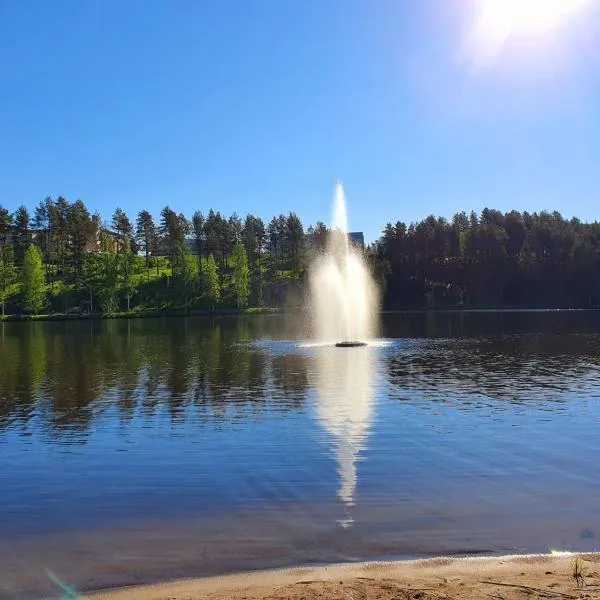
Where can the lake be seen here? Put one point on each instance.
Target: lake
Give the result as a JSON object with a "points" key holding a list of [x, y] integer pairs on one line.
{"points": [[138, 450]]}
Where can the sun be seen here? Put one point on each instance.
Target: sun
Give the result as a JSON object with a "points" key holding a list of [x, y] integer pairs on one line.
{"points": [[496, 21], [505, 17]]}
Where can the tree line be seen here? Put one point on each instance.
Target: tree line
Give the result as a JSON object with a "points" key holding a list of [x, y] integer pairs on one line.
{"points": [[492, 259], [64, 258]]}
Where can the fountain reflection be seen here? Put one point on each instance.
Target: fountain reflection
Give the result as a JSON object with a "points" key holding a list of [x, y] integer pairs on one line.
{"points": [[345, 384]]}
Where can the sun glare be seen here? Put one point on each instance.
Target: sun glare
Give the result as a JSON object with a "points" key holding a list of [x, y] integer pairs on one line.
{"points": [[498, 20]]}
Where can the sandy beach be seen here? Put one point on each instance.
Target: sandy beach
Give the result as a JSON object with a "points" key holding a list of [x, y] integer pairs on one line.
{"points": [[497, 578]]}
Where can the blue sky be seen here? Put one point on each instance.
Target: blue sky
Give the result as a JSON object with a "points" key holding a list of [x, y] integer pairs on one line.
{"points": [[261, 106]]}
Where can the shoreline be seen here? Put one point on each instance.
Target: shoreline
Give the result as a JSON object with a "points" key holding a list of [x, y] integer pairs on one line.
{"points": [[503, 577], [237, 312], [148, 314]]}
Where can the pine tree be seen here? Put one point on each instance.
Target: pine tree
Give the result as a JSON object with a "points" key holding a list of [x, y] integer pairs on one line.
{"points": [[253, 238], [126, 267], [123, 228], [41, 223], [172, 231], [294, 232], [107, 290], [83, 230], [6, 224], [33, 287], [241, 275], [145, 234], [22, 236], [199, 236], [7, 273], [58, 213]]}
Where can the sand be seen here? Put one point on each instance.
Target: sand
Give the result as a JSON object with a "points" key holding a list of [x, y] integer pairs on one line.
{"points": [[498, 578]]}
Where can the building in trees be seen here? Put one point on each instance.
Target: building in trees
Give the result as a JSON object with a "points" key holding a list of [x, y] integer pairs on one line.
{"points": [[357, 240]]}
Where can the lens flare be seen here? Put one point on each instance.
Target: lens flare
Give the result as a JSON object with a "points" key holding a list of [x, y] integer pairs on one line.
{"points": [[496, 21]]}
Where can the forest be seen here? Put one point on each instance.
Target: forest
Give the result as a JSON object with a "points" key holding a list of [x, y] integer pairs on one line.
{"points": [[62, 259]]}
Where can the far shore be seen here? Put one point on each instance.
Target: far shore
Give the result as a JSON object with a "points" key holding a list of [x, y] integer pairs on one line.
{"points": [[146, 314], [225, 312], [560, 576]]}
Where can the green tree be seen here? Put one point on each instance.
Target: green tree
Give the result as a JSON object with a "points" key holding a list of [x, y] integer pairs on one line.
{"points": [[212, 286], [126, 271], [172, 231], [199, 236], [186, 273], [233, 232], [241, 275], [33, 287], [22, 235], [7, 266], [92, 276], [277, 243], [6, 224], [123, 228], [318, 236], [145, 234], [253, 236], [108, 282], [216, 230], [83, 230], [294, 232], [41, 223], [7, 273], [58, 214]]}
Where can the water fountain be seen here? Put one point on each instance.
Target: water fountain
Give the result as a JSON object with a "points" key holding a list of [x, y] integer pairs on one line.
{"points": [[343, 295], [344, 308]]}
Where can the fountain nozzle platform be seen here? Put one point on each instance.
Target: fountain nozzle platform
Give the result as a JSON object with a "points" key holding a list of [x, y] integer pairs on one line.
{"points": [[350, 344]]}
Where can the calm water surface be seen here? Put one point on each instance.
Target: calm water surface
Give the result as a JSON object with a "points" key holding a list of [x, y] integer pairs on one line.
{"points": [[140, 450]]}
